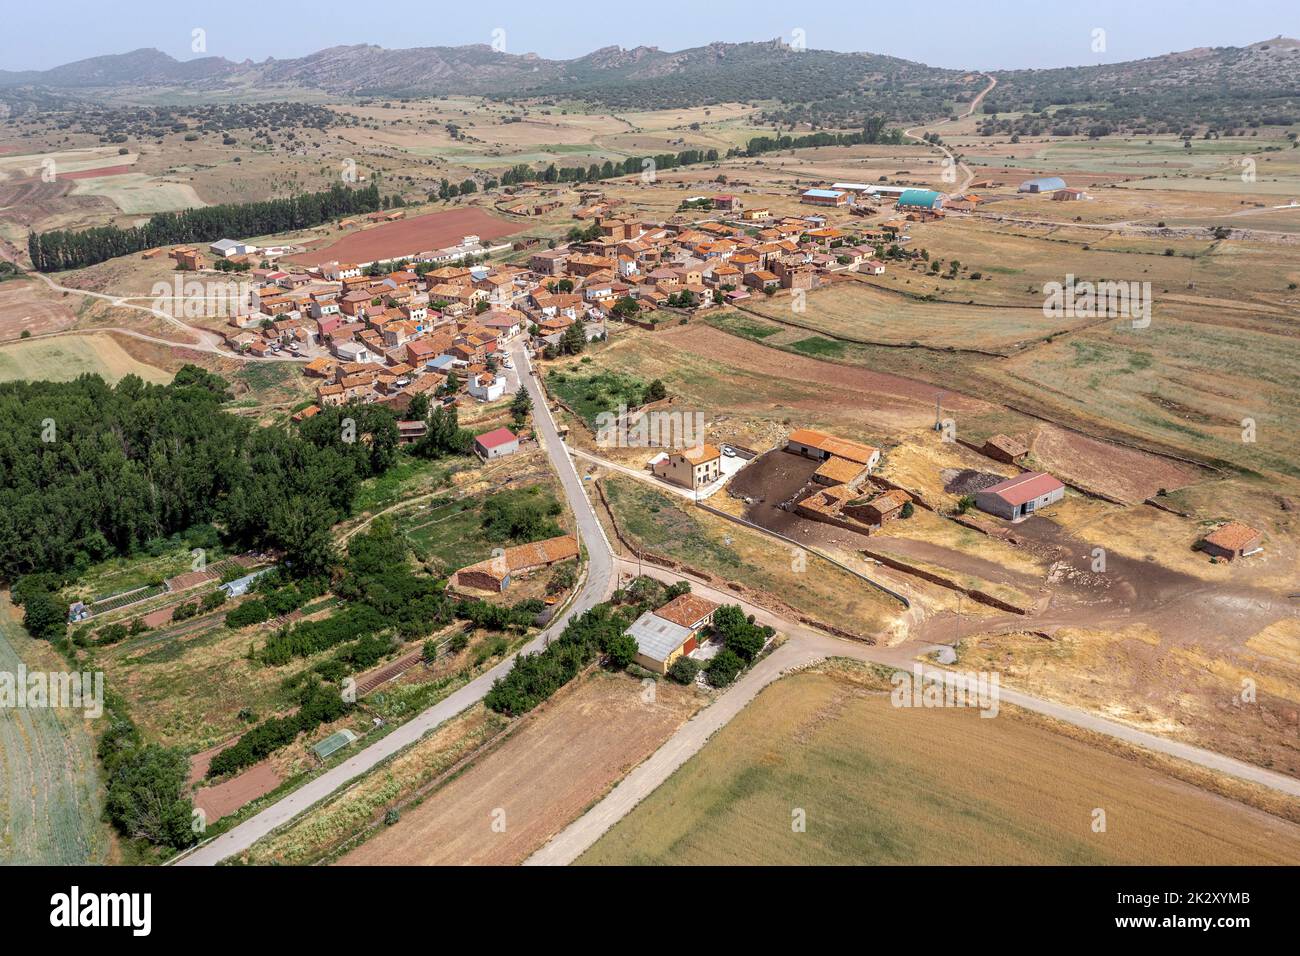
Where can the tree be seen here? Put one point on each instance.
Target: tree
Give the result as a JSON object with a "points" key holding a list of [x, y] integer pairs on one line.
{"points": [[418, 410], [620, 650], [684, 670], [574, 339], [724, 667], [44, 617], [656, 391], [521, 406], [145, 796], [907, 511]]}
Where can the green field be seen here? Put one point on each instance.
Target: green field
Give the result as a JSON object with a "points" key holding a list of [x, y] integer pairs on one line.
{"points": [[877, 784], [591, 392]]}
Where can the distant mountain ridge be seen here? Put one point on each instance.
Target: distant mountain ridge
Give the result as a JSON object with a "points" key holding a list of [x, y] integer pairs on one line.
{"points": [[817, 86]]}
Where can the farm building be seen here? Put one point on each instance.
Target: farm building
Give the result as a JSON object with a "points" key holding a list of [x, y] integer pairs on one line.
{"points": [[820, 446], [1021, 496], [885, 506], [1232, 540], [1003, 448], [1044, 184], [920, 199], [229, 247], [825, 197], [673, 630], [691, 468], [497, 573], [496, 444], [1069, 195], [839, 471]]}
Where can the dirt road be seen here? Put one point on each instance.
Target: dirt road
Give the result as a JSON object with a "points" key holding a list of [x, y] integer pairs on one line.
{"points": [[805, 646], [955, 163]]}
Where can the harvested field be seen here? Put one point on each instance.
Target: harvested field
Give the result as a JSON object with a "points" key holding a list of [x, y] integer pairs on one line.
{"points": [[857, 310], [725, 374], [1127, 474], [543, 776], [27, 306], [435, 230], [888, 785], [63, 359], [135, 193], [50, 798]]}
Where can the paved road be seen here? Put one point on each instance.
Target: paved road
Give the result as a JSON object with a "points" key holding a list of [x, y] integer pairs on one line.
{"points": [[597, 586], [803, 647]]}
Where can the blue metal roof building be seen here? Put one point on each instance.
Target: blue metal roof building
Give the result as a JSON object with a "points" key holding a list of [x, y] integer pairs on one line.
{"points": [[1046, 184], [920, 199]]}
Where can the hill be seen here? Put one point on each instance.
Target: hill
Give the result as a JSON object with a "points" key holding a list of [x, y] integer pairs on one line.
{"points": [[1218, 87]]}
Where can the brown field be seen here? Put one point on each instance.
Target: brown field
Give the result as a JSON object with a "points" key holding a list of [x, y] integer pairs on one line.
{"points": [[885, 785], [435, 230], [26, 306], [96, 173], [544, 775], [228, 796]]}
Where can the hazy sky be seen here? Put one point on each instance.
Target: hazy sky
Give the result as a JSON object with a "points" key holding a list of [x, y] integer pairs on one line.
{"points": [[986, 34]]}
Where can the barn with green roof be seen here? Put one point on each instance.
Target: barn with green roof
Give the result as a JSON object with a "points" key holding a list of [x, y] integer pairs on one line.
{"points": [[920, 199]]}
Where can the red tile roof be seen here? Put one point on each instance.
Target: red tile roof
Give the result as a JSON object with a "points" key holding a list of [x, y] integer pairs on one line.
{"points": [[499, 436], [1026, 487]]}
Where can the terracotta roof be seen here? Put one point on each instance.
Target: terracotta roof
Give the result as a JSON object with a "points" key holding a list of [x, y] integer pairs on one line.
{"points": [[499, 436], [686, 610], [1026, 487], [841, 471], [1009, 445], [1233, 536], [840, 447], [541, 552], [700, 453], [887, 501]]}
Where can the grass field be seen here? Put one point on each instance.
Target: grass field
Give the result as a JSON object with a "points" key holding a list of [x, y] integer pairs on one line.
{"points": [[884, 785], [857, 311], [50, 800], [64, 358], [664, 526]]}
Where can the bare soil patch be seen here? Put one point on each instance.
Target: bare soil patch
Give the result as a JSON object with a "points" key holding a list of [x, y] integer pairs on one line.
{"points": [[541, 778], [435, 230]]}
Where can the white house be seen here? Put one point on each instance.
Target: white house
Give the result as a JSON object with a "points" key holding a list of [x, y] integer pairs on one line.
{"points": [[487, 388], [229, 247], [354, 352]]}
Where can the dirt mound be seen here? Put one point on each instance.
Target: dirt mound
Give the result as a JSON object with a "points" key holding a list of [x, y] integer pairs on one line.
{"points": [[967, 481]]}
